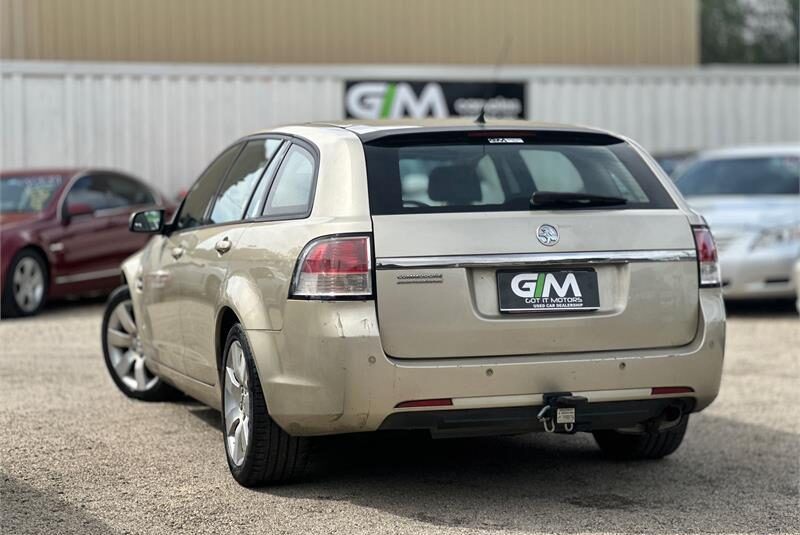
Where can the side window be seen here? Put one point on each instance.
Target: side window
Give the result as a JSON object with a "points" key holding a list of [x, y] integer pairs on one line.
{"points": [[291, 191], [130, 190], [234, 193], [257, 200], [94, 191], [198, 198]]}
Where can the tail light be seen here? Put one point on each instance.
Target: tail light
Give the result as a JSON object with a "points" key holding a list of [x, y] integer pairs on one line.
{"points": [[706, 257], [335, 267]]}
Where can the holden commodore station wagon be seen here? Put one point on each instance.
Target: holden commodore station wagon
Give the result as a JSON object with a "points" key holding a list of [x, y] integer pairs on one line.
{"points": [[460, 278]]}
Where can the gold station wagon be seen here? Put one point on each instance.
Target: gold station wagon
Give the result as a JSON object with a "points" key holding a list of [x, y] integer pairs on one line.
{"points": [[463, 279]]}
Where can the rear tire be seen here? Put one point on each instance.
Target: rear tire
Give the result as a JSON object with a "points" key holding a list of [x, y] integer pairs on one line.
{"points": [[258, 451], [123, 355], [652, 445], [26, 284]]}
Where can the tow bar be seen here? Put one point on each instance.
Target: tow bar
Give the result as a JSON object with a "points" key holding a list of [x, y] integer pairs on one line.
{"points": [[559, 412]]}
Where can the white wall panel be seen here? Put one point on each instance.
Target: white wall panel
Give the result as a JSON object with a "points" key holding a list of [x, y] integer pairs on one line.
{"points": [[165, 122]]}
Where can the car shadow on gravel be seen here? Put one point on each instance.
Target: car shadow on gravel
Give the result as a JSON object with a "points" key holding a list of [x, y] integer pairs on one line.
{"points": [[727, 477], [210, 416], [25, 510], [66, 307]]}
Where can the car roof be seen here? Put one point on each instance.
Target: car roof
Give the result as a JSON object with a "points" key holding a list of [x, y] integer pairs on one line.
{"points": [[69, 173], [43, 171], [392, 124], [373, 129], [751, 151], [64, 172]]}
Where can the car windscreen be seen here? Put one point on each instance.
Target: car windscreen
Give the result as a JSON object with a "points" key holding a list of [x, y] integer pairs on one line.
{"points": [[474, 171], [778, 175], [27, 193]]}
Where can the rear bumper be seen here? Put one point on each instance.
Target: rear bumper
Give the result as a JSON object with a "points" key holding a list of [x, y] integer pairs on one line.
{"points": [[326, 372], [760, 275], [517, 420]]}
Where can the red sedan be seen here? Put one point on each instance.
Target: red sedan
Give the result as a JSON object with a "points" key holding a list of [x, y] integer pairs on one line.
{"points": [[64, 232]]}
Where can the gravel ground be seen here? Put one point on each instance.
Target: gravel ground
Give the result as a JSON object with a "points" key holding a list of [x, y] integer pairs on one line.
{"points": [[78, 457]]}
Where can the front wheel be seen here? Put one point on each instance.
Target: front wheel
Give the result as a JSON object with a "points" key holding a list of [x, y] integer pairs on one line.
{"points": [[259, 452], [26, 285], [124, 357], [650, 445]]}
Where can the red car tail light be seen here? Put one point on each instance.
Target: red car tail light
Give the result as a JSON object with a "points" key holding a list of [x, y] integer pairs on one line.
{"points": [[706, 258], [662, 390], [333, 268]]}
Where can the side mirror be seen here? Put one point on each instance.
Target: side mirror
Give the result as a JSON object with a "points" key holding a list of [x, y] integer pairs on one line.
{"points": [[147, 221], [77, 209]]}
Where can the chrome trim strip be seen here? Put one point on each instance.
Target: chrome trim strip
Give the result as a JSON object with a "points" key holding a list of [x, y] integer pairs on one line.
{"points": [[538, 259], [89, 275], [120, 210]]}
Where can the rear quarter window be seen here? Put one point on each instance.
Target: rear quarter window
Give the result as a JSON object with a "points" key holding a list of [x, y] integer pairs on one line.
{"points": [[293, 187], [472, 171]]}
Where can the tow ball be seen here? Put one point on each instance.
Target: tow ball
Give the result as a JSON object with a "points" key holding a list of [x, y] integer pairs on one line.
{"points": [[559, 413]]}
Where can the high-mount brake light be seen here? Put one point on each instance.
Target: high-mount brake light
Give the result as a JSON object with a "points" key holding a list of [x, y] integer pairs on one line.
{"points": [[707, 262], [334, 267]]}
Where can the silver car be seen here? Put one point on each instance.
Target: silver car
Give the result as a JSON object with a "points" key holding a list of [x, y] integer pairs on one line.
{"points": [[462, 279], [750, 197]]}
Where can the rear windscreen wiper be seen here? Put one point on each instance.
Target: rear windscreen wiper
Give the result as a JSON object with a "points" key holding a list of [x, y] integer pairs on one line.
{"points": [[572, 200]]}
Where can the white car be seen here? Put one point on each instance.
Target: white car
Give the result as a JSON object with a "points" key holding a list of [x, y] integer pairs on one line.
{"points": [[750, 197], [796, 282]]}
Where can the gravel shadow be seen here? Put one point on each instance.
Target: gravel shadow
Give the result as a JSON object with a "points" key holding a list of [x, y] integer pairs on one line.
{"points": [[24, 510], [727, 477]]}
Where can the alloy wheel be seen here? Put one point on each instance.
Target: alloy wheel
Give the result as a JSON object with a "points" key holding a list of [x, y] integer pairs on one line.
{"points": [[238, 404], [28, 281], [125, 349]]}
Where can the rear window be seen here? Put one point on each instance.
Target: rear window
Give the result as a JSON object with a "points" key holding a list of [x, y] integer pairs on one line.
{"points": [[779, 175], [485, 171]]}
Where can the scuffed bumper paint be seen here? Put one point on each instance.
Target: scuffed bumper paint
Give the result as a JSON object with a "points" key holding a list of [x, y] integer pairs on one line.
{"points": [[326, 371]]}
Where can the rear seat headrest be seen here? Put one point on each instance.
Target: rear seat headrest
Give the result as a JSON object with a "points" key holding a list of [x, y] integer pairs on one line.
{"points": [[455, 184]]}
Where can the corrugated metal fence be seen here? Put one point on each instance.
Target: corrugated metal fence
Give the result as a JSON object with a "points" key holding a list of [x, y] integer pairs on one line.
{"points": [[165, 122]]}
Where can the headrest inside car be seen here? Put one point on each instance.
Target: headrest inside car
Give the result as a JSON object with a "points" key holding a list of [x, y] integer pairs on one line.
{"points": [[455, 184]]}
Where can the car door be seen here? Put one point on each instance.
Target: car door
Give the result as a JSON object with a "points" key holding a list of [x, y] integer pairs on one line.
{"points": [[138, 197], [268, 251], [166, 271], [160, 301], [86, 252], [208, 252]]}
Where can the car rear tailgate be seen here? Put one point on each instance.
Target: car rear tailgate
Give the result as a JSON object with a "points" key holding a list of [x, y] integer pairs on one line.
{"points": [[528, 241], [437, 289]]}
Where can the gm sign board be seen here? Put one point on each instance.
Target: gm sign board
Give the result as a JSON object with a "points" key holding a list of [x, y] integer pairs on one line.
{"points": [[394, 100]]}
